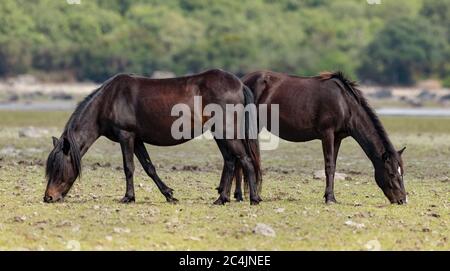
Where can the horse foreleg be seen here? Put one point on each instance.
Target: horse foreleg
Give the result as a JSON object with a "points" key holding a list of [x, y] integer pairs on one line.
{"points": [[127, 145], [328, 144], [143, 157], [337, 145]]}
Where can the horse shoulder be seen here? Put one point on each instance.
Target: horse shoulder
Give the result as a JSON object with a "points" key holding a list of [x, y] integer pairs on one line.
{"points": [[336, 99]]}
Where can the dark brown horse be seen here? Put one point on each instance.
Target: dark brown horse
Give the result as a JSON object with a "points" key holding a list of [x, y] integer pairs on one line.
{"points": [[329, 107], [133, 110]]}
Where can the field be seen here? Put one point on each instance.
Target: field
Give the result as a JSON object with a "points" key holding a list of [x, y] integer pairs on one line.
{"points": [[292, 216]]}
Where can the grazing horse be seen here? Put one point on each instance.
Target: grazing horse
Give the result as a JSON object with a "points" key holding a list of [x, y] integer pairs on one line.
{"points": [[328, 107], [134, 110]]}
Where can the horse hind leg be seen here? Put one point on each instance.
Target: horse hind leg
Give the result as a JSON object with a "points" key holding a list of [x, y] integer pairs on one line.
{"points": [[237, 178], [143, 157], [238, 184], [227, 173], [238, 149], [240, 180]]}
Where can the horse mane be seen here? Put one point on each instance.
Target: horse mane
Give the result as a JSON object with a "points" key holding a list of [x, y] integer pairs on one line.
{"points": [[79, 109], [352, 87], [55, 167]]}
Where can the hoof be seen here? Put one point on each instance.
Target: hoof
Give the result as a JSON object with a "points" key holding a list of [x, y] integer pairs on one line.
{"points": [[254, 201], [168, 192], [221, 201], [127, 199], [238, 197], [330, 200], [171, 200]]}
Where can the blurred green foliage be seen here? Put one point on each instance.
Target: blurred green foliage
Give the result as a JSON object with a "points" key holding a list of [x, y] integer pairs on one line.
{"points": [[396, 42]]}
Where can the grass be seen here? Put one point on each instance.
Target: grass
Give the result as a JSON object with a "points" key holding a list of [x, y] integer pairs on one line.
{"points": [[92, 219]]}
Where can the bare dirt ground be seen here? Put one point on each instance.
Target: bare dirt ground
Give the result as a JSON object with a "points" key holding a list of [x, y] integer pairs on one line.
{"points": [[292, 216]]}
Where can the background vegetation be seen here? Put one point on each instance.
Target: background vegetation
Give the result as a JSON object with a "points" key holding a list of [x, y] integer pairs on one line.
{"points": [[396, 42]]}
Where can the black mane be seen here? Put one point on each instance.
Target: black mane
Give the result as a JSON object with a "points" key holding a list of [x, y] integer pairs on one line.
{"points": [[55, 168], [351, 86], [84, 103], [79, 109]]}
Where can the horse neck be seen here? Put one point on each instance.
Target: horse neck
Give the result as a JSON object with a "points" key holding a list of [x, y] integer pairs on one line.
{"points": [[84, 127], [363, 130]]}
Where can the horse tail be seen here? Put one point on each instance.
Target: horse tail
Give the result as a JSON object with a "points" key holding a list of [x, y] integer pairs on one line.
{"points": [[251, 137]]}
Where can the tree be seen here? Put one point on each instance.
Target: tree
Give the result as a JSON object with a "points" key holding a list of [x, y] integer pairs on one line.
{"points": [[99, 38], [404, 50], [16, 37], [438, 13]]}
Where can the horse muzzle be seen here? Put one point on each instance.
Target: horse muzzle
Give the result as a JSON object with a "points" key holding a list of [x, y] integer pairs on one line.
{"points": [[399, 201], [51, 199]]}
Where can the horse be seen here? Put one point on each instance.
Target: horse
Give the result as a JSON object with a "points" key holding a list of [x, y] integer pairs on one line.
{"points": [[328, 107], [133, 110]]}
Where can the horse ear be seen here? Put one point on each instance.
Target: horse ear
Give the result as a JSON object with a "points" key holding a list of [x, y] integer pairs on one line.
{"points": [[66, 146], [400, 152], [55, 141]]}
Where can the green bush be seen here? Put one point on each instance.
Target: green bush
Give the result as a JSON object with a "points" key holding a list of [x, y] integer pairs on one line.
{"points": [[99, 38]]}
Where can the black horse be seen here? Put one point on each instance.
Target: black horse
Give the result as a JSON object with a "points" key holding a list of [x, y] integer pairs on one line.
{"points": [[134, 110], [328, 107]]}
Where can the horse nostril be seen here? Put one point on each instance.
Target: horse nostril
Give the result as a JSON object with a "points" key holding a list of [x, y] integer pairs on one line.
{"points": [[48, 198]]}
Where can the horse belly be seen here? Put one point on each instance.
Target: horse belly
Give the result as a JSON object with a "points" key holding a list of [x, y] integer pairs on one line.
{"points": [[158, 139], [296, 134], [156, 129], [294, 126]]}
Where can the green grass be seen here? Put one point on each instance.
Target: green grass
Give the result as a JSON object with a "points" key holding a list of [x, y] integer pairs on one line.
{"points": [[293, 206], [38, 118]]}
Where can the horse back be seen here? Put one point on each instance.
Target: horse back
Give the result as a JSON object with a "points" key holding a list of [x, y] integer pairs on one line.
{"points": [[144, 105], [307, 105]]}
